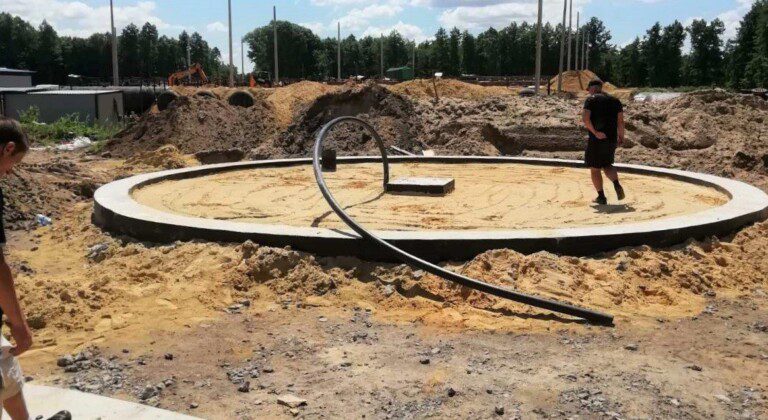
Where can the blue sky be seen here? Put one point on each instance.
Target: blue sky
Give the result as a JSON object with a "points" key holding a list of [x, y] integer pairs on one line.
{"points": [[415, 19]]}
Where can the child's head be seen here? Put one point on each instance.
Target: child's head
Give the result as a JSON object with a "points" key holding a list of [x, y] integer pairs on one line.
{"points": [[13, 145]]}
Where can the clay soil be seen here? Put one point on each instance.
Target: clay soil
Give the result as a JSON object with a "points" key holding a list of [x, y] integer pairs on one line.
{"points": [[222, 330]]}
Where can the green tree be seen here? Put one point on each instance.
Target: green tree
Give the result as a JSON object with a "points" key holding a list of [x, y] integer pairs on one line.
{"points": [[148, 49], [454, 57], [18, 41], [296, 49], [652, 50], [600, 50], [670, 61], [468, 53], [129, 59], [48, 62], [632, 70], [441, 51], [706, 58]]}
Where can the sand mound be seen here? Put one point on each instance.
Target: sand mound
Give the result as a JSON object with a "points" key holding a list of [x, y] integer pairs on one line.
{"points": [[390, 114], [449, 88], [576, 81], [287, 99], [193, 124], [166, 157]]}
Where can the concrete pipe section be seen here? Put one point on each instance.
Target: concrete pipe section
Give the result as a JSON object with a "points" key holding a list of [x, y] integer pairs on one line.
{"points": [[525, 204]]}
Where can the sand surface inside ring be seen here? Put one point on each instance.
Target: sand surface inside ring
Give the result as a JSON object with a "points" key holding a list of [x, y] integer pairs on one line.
{"points": [[487, 197]]}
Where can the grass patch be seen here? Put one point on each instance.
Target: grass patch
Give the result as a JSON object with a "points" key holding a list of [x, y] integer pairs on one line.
{"points": [[64, 129]]}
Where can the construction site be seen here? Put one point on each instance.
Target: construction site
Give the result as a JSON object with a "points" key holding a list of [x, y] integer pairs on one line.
{"points": [[210, 277], [401, 245]]}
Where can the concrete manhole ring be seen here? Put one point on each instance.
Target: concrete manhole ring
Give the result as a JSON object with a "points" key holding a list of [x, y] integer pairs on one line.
{"points": [[117, 210]]}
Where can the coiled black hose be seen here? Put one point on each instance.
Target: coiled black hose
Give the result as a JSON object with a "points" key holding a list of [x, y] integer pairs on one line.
{"points": [[587, 314]]}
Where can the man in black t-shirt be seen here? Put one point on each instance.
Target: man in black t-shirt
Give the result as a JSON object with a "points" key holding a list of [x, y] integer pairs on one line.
{"points": [[604, 119]]}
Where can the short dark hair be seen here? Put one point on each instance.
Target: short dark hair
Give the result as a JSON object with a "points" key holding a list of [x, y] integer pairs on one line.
{"points": [[11, 131]]}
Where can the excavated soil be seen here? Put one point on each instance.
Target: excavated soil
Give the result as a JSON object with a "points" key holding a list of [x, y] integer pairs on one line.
{"points": [[449, 88], [193, 322], [195, 123], [392, 115], [488, 197]]}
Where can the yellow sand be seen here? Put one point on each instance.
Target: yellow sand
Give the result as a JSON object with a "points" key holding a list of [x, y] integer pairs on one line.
{"points": [[499, 196]]}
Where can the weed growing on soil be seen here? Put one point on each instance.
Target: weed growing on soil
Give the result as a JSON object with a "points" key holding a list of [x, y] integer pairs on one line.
{"points": [[63, 129]]}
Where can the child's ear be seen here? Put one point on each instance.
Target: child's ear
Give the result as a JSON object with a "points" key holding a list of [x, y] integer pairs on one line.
{"points": [[9, 148]]}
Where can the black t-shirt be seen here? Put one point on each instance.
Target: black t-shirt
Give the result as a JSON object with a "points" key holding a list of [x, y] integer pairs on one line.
{"points": [[604, 111]]}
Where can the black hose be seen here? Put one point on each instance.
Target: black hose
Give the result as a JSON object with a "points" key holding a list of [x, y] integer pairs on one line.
{"points": [[587, 314]]}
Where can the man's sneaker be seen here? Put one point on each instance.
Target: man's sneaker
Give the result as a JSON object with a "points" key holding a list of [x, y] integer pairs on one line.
{"points": [[601, 200], [61, 415], [619, 192]]}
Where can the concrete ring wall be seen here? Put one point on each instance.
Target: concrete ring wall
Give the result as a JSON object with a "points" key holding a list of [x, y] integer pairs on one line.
{"points": [[116, 211]]}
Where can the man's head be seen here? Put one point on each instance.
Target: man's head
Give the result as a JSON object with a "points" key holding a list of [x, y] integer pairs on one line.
{"points": [[595, 86], [13, 145]]}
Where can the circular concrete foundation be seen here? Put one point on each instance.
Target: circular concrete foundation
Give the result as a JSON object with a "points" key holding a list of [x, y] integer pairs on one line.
{"points": [[520, 203]]}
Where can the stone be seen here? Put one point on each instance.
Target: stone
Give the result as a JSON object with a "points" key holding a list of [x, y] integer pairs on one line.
{"points": [[65, 361], [451, 392], [149, 392], [424, 361], [168, 356], [499, 410], [723, 398], [245, 387], [194, 405], [291, 401], [631, 347]]}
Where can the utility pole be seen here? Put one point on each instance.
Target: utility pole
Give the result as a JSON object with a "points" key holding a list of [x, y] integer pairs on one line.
{"points": [[231, 64], [274, 35], [338, 51], [189, 64], [586, 56], [413, 59], [242, 59], [381, 54], [577, 46], [570, 21], [538, 49], [562, 50], [115, 78]]}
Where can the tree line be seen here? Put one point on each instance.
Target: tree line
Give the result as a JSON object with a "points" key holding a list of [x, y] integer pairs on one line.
{"points": [[656, 59], [141, 52]]}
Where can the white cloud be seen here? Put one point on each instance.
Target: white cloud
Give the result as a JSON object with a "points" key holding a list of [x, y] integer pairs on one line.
{"points": [[732, 18], [337, 2], [76, 18], [500, 15], [357, 19], [216, 27], [318, 28], [406, 30]]}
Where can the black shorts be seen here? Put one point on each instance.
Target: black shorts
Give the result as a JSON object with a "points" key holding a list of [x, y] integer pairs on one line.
{"points": [[600, 153]]}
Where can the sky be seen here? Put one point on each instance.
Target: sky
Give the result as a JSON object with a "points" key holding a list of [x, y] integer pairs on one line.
{"points": [[414, 19]]}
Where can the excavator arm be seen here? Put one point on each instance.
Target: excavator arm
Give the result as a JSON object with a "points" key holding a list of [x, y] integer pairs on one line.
{"points": [[174, 78]]}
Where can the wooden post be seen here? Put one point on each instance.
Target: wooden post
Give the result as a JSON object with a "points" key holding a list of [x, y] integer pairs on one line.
{"points": [[562, 51]]}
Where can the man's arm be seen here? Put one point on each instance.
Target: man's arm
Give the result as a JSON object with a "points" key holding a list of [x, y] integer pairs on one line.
{"points": [[621, 127], [12, 309], [588, 123]]}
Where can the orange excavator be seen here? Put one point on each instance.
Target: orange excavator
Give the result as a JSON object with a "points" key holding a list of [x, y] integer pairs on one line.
{"points": [[196, 70], [259, 78]]}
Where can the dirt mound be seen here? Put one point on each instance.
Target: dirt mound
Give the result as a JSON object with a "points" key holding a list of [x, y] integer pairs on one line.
{"points": [[390, 114], [576, 81], [709, 131], [166, 157], [198, 123], [449, 88], [47, 184], [499, 126], [287, 99]]}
